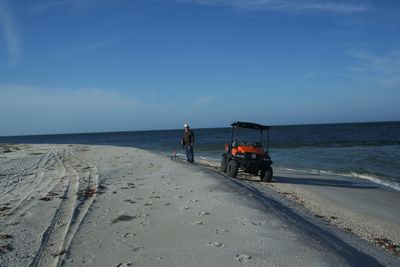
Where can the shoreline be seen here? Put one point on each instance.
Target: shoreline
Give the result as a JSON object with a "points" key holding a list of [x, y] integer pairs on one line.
{"points": [[214, 162], [369, 225], [143, 208]]}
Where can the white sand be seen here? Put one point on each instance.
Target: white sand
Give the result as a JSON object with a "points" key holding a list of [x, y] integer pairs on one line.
{"points": [[151, 211]]}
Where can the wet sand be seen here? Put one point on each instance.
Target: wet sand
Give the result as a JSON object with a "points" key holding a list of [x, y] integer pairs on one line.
{"points": [[76, 205]]}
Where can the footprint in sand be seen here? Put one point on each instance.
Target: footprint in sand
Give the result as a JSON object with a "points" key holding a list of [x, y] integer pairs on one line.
{"points": [[216, 244], [220, 231], [130, 201], [125, 264], [144, 224], [135, 248], [102, 189], [129, 235], [129, 186], [243, 257]]}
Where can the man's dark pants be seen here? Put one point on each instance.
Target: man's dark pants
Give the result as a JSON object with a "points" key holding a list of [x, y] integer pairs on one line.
{"points": [[189, 153]]}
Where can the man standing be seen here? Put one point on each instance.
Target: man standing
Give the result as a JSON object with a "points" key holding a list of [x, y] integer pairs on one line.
{"points": [[188, 142]]}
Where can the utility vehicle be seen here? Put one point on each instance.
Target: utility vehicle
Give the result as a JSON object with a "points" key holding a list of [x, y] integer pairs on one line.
{"points": [[247, 155]]}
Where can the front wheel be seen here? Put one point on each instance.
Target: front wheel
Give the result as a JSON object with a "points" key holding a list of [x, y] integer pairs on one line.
{"points": [[266, 174], [232, 168], [224, 162]]}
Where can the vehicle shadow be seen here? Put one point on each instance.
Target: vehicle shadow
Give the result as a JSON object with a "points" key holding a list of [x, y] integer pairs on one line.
{"points": [[323, 182]]}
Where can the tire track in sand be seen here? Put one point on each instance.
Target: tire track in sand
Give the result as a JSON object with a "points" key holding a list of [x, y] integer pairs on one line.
{"points": [[40, 185], [58, 236]]}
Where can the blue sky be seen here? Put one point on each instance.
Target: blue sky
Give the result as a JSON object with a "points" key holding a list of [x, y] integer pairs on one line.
{"points": [[85, 65]]}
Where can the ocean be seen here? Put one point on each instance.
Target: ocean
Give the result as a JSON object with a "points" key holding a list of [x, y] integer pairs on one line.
{"points": [[364, 150]]}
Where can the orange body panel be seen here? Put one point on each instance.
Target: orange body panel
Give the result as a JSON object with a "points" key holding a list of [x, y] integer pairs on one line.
{"points": [[248, 149]]}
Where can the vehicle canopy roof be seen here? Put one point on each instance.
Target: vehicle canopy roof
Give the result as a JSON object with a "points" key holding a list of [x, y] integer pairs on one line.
{"points": [[250, 125]]}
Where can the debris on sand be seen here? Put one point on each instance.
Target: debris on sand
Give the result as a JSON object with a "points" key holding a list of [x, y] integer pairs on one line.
{"points": [[388, 245], [123, 217], [86, 193], [3, 208], [5, 236], [5, 248], [49, 196]]}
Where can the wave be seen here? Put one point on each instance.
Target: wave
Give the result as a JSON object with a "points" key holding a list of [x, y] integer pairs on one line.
{"points": [[370, 177], [212, 159]]}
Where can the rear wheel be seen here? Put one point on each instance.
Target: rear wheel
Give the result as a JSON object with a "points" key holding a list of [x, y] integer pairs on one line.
{"points": [[224, 162], [232, 169], [266, 174]]}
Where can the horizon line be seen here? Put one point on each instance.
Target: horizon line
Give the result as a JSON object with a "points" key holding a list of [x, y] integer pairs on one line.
{"points": [[203, 128]]}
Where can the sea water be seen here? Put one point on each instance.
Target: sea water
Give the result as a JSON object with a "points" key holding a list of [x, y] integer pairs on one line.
{"points": [[365, 150]]}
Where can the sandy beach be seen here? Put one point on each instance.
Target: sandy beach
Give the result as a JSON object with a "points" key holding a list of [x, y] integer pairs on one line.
{"points": [[79, 205]]}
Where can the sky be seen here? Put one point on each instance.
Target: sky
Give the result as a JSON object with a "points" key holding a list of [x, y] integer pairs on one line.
{"points": [[69, 66]]}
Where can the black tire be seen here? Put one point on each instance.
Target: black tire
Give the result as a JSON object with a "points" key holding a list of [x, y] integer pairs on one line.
{"points": [[232, 168], [224, 162], [266, 174]]}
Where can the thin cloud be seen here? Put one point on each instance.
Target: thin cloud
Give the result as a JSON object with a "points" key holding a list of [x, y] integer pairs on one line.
{"points": [[45, 6], [289, 6], [388, 62], [385, 67], [314, 74], [10, 33], [81, 48]]}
